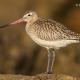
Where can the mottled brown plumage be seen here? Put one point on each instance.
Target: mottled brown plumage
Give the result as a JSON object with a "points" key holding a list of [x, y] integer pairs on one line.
{"points": [[51, 30]]}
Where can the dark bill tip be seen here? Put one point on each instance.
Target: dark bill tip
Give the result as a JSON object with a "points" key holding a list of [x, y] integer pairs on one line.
{"points": [[4, 26], [12, 23]]}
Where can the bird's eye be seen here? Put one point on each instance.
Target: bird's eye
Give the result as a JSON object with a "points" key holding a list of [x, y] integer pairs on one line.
{"points": [[29, 15]]}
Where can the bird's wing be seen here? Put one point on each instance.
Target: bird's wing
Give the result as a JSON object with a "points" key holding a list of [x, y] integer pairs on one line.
{"points": [[66, 33], [51, 30]]}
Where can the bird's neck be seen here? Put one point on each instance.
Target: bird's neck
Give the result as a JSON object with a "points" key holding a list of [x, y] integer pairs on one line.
{"points": [[32, 21]]}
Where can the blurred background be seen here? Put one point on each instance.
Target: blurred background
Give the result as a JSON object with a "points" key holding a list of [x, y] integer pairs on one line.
{"points": [[20, 55]]}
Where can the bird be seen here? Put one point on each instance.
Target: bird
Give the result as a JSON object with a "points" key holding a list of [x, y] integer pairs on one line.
{"points": [[47, 33]]}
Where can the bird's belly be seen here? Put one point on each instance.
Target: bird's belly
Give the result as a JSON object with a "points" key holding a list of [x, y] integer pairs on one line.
{"points": [[56, 44]]}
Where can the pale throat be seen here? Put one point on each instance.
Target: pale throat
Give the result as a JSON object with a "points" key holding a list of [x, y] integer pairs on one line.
{"points": [[31, 21]]}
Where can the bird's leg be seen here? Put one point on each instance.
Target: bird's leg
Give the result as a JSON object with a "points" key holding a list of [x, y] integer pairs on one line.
{"points": [[51, 58]]}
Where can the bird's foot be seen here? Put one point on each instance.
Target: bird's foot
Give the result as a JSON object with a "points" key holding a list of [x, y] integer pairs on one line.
{"points": [[48, 72]]}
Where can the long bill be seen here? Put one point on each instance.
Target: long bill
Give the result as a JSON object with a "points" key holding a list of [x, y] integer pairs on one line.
{"points": [[13, 23]]}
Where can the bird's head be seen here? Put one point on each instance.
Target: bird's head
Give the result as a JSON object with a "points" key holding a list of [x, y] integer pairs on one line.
{"points": [[29, 18]]}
